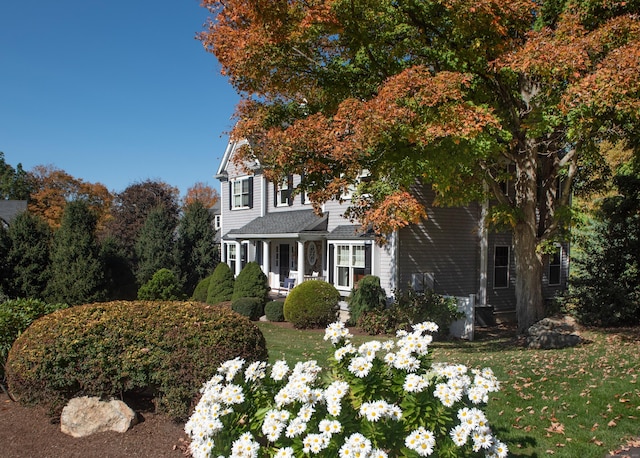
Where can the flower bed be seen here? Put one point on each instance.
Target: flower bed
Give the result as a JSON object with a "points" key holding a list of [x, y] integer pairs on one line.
{"points": [[381, 399]]}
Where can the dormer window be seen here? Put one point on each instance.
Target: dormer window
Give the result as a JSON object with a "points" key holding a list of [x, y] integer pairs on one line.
{"points": [[241, 193]]}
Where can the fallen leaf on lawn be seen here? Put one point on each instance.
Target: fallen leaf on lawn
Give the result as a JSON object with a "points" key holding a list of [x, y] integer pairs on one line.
{"points": [[612, 423], [557, 428], [594, 427], [595, 441]]}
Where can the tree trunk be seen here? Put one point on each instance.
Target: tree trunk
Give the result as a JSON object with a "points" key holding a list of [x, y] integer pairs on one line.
{"points": [[529, 300]]}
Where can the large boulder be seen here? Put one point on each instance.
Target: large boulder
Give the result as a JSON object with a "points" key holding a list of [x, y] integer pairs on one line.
{"points": [[89, 415], [551, 333]]}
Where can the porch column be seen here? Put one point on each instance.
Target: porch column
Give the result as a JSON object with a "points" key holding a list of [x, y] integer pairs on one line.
{"points": [[266, 260], [238, 258], [301, 255]]}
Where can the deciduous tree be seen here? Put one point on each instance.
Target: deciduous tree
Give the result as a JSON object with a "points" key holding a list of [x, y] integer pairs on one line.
{"points": [[52, 188], [466, 95], [202, 193]]}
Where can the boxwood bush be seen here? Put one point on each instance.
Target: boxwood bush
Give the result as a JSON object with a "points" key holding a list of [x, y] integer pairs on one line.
{"points": [[200, 293], [274, 311], [251, 307], [163, 349], [312, 304]]}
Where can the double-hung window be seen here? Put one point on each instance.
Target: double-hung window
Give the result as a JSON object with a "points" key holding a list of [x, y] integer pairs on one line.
{"points": [[232, 256], [284, 193], [555, 264], [350, 265], [241, 193], [501, 267]]}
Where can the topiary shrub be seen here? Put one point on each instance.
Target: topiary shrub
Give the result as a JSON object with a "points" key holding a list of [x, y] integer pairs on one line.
{"points": [[366, 296], [202, 289], [251, 307], [220, 284], [274, 311], [251, 282], [15, 316], [163, 286], [312, 304], [165, 349]]}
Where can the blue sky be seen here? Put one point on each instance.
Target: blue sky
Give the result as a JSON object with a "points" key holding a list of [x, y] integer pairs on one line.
{"points": [[112, 91]]}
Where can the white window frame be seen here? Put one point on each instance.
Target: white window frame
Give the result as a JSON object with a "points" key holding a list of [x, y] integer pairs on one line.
{"points": [[355, 259], [238, 192], [283, 193], [217, 222], [232, 256], [507, 268], [348, 193]]}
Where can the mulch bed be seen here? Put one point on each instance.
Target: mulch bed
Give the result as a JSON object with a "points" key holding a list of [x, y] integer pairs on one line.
{"points": [[28, 432]]}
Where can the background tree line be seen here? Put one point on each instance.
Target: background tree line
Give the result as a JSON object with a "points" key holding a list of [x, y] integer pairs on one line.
{"points": [[80, 243]]}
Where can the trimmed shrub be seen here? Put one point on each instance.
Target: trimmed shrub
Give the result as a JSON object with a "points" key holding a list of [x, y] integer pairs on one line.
{"points": [[251, 307], [163, 286], [251, 282], [166, 349], [202, 288], [411, 307], [274, 311], [16, 316], [366, 296], [220, 285], [312, 304]]}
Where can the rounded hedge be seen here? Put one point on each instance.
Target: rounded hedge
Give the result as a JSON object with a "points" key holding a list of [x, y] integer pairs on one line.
{"points": [[201, 290], [15, 316], [273, 311], [312, 304], [251, 307], [163, 286], [165, 349]]}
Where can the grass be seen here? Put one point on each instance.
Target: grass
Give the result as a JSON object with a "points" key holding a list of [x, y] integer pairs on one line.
{"points": [[576, 402]]}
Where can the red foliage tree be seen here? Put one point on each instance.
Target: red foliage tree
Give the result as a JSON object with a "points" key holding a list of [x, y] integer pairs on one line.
{"points": [[462, 94]]}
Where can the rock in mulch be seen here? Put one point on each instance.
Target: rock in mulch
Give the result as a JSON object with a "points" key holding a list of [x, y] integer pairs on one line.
{"points": [[551, 333], [89, 415]]}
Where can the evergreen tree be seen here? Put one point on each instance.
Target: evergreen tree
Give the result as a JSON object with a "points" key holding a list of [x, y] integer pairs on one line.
{"points": [[220, 285], [163, 286], [5, 269], [77, 272], [155, 245], [28, 257], [120, 282], [251, 282], [197, 248], [606, 285]]}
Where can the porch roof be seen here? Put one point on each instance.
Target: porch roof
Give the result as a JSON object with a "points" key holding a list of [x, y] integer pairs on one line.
{"points": [[350, 232], [289, 223]]}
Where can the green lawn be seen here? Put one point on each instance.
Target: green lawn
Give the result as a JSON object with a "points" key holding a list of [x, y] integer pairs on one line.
{"points": [[577, 402]]}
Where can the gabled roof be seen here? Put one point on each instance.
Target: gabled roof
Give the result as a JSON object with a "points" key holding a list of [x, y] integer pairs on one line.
{"points": [[281, 224], [232, 146], [9, 209]]}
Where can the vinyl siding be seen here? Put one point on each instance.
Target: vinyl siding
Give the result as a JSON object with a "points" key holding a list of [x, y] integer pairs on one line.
{"points": [[446, 245]]}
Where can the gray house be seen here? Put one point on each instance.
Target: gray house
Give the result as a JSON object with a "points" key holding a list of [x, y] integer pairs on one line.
{"points": [[9, 209], [450, 252]]}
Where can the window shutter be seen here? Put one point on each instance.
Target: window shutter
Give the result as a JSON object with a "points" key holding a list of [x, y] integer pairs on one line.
{"points": [[303, 194], [367, 259], [250, 192], [290, 190], [331, 263], [275, 194], [230, 195]]}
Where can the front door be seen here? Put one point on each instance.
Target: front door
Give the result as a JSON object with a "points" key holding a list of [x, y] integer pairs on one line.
{"points": [[284, 261]]}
